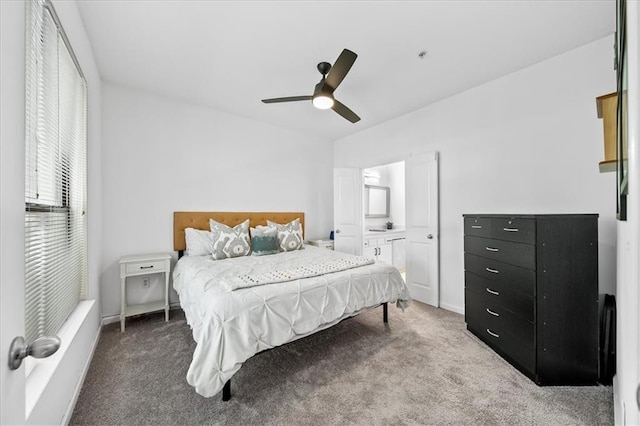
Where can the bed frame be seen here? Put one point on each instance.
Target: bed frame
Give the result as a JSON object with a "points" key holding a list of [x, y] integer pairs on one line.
{"points": [[200, 220]]}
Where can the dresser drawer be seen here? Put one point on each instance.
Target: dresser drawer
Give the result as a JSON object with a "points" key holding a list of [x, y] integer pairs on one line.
{"points": [[514, 229], [478, 226], [494, 292], [150, 266], [518, 254], [509, 277], [503, 342], [497, 317], [498, 333]]}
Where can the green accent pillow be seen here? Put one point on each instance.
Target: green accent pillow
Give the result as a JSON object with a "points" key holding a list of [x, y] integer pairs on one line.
{"points": [[264, 240]]}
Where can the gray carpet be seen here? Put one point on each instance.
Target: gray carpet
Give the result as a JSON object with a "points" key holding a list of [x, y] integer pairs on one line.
{"points": [[421, 368]]}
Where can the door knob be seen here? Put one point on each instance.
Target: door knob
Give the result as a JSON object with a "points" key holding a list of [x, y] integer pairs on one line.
{"points": [[430, 236], [42, 347], [337, 231]]}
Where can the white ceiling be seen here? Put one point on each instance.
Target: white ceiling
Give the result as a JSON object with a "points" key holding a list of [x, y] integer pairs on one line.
{"points": [[230, 55]]}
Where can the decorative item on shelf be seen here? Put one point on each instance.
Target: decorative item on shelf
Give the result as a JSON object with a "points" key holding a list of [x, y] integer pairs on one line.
{"points": [[389, 225], [331, 235], [607, 106]]}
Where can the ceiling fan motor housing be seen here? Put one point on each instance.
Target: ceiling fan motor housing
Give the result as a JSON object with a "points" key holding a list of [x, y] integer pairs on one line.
{"points": [[324, 68]]}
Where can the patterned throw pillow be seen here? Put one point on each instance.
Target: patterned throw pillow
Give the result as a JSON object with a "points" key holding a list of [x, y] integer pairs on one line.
{"points": [[289, 235], [230, 242], [264, 240], [199, 242]]}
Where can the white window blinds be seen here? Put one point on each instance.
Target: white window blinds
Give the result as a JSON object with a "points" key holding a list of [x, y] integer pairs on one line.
{"points": [[55, 190]]}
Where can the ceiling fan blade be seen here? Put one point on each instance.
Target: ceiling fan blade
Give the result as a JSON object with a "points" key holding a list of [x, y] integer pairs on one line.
{"points": [[342, 109], [340, 68], [287, 99]]}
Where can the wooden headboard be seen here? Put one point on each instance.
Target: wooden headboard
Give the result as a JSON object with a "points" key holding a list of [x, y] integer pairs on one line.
{"points": [[200, 220]]}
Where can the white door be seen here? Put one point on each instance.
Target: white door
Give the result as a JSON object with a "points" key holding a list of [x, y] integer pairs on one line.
{"points": [[347, 210], [421, 186], [12, 383]]}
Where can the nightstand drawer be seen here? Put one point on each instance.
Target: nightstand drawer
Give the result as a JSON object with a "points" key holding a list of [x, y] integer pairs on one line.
{"points": [[150, 266]]}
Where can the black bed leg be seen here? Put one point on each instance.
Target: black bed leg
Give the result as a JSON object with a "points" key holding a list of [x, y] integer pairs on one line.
{"points": [[385, 313], [226, 391]]}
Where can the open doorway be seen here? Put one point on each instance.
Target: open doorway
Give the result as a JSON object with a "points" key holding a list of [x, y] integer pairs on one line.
{"points": [[414, 221], [383, 201]]}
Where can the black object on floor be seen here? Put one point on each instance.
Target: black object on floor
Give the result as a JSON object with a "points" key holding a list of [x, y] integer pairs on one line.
{"points": [[608, 340]]}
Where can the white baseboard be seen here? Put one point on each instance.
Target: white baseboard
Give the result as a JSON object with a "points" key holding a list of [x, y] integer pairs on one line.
{"points": [[618, 404], [452, 308], [110, 319], [85, 369]]}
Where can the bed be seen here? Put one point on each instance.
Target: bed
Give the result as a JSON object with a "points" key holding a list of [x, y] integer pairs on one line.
{"points": [[236, 308]]}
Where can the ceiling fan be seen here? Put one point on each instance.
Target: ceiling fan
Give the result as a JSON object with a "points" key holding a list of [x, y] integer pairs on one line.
{"points": [[322, 97]]}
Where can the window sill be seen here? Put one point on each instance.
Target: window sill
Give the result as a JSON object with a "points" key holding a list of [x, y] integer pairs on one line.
{"points": [[39, 372]]}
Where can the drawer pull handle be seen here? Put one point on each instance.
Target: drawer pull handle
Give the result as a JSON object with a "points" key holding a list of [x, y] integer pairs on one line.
{"points": [[495, 314], [493, 271], [493, 292], [476, 226], [510, 229], [492, 333], [146, 267], [491, 249]]}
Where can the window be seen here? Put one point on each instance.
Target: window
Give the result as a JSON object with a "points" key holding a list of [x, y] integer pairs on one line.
{"points": [[55, 185]]}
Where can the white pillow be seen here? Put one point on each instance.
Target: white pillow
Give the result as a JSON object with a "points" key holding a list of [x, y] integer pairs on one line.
{"points": [[230, 242], [199, 243], [289, 235]]}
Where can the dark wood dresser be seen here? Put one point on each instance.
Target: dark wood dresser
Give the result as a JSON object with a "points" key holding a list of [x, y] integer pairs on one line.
{"points": [[531, 292]]}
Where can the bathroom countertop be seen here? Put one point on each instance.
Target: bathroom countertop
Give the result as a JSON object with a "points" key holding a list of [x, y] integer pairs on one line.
{"points": [[384, 232]]}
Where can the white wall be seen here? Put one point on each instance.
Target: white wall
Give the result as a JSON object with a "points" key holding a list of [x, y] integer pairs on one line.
{"points": [[162, 156], [62, 373], [529, 142], [398, 191]]}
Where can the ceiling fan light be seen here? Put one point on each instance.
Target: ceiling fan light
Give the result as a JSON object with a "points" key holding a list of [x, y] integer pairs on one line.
{"points": [[322, 101]]}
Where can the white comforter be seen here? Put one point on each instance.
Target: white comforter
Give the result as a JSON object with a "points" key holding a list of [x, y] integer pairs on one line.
{"points": [[231, 326]]}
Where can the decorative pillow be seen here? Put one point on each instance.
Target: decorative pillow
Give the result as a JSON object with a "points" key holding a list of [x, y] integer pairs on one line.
{"points": [[230, 242], [264, 240], [289, 235], [199, 242]]}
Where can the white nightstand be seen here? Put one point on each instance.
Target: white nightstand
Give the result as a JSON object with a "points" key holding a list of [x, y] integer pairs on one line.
{"points": [[144, 264], [327, 244]]}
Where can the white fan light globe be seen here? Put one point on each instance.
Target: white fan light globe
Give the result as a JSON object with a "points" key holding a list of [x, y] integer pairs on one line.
{"points": [[322, 102]]}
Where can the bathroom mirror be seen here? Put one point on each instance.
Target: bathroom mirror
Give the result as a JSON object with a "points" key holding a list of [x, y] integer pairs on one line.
{"points": [[376, 201]]}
